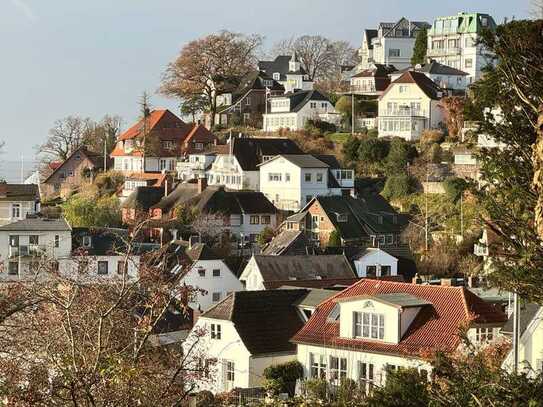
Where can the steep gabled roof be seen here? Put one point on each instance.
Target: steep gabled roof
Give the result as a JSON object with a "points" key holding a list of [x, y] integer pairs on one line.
{"points": [[301, 160], [144, 198], [96, 159], [279, 65], [302, 97], [162, 122], [19, 192], [249, 151], [264, 320], [37, 224], [288, 242], [284, 268], [201, 251], [527, 314], [215, 200], [434, 328], [428, 86]]}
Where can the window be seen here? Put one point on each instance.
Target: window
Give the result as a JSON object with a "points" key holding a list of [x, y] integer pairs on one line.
{"points": [[366, 375], [16, 211], [287, 177], [468, 63], [248, 101], [342, 217], [230, 371], [393, 52], [319, 177], [102, 268], [168, 145], [318, 366], [371, 271], [33, 239], [57, 241], [265, 220], [216, 296], [215, 331], [122, 267], [385, 271], [87, 241], [14, 241], [313, 105], [484, 335], [338, 368], [274, 177], [13, 268], [254, 220], [369, 325], [403, 89], [216, 272], [276, 76], [201, 272], [70, 173], [390, 238], [307, 177]]}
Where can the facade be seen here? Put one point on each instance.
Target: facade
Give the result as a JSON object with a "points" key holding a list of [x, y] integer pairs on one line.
{"points": [[367, 220], [409, 106], [371, 81], [391, 43], [245, 103], [291, 181], [375, 326], [156, 143], [238, 168], [453, 41], [293, 110], [195, 166], [209, 275], [288, 72], [17, 201], [76, 171], [266, 272], [242, 335], [31, 243], [444, 76], [135, 180], [375, 262]]}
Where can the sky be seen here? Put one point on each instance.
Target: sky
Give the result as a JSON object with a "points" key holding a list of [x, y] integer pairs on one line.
{"points": [[96, 57]]}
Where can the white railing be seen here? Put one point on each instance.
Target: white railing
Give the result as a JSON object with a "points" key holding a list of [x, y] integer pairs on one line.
{"points": [[437, 52], [27, 250], [403, 113]]}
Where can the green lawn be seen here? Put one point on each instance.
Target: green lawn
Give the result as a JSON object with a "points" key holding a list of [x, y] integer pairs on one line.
{"points": [[339, 138]]}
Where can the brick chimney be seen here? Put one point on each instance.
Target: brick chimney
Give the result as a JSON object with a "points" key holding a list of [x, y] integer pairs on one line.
{"points": [[202, 184]]}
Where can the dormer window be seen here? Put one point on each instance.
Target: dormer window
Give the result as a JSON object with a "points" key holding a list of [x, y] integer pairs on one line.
{"points": [[342, 217], [276, 76], [368, 325], [87, 241]]}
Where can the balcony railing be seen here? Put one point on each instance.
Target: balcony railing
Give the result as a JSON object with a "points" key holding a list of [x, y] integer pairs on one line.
{"points": [[403, 113], [27, 251], [187, 165], [362, 89], [438, 52]]}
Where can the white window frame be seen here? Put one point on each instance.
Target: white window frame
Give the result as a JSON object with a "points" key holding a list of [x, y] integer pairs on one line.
{"points": [[16, 211], [216, 331], [317, 366], [368, 325]]}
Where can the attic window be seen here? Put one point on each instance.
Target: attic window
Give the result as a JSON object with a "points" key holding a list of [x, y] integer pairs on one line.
{"points": [[292, 278], [342, 217], [333, 316], [87, 241], [276, 76]]}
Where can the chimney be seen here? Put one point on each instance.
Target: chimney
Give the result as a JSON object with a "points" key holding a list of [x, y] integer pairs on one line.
{"points": [[202, 184], [3, 190]]}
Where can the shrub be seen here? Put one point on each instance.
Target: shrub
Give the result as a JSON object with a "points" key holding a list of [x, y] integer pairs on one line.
{"points": [[455, 187], [401, 154], [86, 211], [282, 378], [316, 389], [334, 240], [404, 387], [373, 150], [350, 149], [108, 183], [431, 137], [265, 236], [319, 127], [398, 186], [373, 132]]}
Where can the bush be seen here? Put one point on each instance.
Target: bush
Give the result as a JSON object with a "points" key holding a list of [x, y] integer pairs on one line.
{"points": [[404, 387], [108, 183], [350, 149], [398, 186], [431, 137], [87, 211], [334, 240], [283, 377], [265, 236], [316, 389], [401, 154], [454, 188], [373, 133], [319, 127], [373, 150]]}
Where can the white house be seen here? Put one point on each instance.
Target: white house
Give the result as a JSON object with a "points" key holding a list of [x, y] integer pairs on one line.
{"points": [[531, 340], [291, 181], [374, 326], [375, 262], [264, 272], [293, 110], [195, 166], [209, 275], [446, 77], [17, 201], [237, 168], [391, 43], [287, 70], [371, 81], [409, 106], [242, 335], [453, 41], [25, 243]]}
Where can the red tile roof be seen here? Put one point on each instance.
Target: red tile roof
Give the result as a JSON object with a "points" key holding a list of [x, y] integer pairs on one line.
{"points": [[428, 86], [434, 328]]}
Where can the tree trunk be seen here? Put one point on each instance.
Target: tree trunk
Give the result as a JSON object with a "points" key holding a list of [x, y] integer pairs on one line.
{"points": [[213, 110], [537, 159]]}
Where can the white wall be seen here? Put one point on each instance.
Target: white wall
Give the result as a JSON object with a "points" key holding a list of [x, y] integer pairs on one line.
{"points": [[281, 117], [27, 207], [252, 277], [374, 258], [72, 266], [226, 171]]}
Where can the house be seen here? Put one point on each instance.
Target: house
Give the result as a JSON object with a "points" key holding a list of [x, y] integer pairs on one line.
{"points": [[209, 275], [288, 242], [293, 110], [454, 41], [376, 326], [444, 76], [17, 201], [368, 219], [196, 166], [102, 253], [371, 81], [264, 272], [26, 244], [409, 106], [77, 170], [291, 181], [154, 144], [391, 43], [174, 326], [242, 335], [288, 72], [531, 340], [246, 103], [238, 167], [134, 180], [137, 205]]}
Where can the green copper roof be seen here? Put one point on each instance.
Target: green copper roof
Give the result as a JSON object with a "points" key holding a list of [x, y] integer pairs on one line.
{"points": [[463, 23]]}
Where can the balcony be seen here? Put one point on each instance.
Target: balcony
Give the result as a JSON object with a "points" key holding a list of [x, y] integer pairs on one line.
{"points": [[190, 165], [407, 112], [27, 251], [480, 250], [363, 90], [441, 52]]}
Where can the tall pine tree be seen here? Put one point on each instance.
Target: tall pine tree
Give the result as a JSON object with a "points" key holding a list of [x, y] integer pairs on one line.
{"points": [[421, 46]]}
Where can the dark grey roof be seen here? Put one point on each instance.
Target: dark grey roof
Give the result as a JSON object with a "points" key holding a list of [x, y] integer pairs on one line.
{"points": [[284, 268], [19, 192], [302, 161], [404, 300], [249, 151], [144, 198], [389, 29], [434, 68], [219, 200], [527, 314], [428, 86], [329, 159], [201, 251], [300, 98], [288, 242], [181, 194], [370, 34], [279, 65], [314, 297], [264, 320], [38, 224], [103, 241]]}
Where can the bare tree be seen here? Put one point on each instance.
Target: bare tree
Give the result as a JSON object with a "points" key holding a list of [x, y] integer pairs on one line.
{"points": [[206, 67], [66, 135]]}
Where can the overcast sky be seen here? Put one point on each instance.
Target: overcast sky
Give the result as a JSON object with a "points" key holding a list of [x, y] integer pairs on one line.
{"points": [[96, 57]]}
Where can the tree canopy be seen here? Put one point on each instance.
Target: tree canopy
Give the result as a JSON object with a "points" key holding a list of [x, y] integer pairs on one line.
{"points": [[420, 49]]}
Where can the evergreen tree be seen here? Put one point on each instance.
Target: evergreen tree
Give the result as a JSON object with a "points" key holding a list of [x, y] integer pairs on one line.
{"points": [[421, 46]]}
